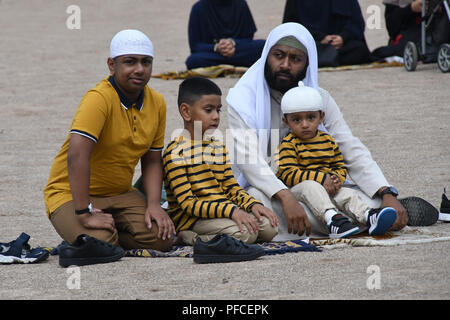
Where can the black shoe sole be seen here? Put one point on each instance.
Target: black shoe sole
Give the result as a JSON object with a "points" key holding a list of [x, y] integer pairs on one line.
{"points": [[66, 262], [420, 212], [223, 258]]}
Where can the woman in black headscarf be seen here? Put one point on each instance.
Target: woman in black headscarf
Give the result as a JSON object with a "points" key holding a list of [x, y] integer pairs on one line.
{"points": [[221, 32], [336, 25]]}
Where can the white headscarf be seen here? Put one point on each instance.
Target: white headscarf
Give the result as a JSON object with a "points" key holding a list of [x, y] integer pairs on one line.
{"points": [[250, 97]]}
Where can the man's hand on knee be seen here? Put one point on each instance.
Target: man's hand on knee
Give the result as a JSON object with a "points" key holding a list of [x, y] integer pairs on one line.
{"points": [[295, 214]]}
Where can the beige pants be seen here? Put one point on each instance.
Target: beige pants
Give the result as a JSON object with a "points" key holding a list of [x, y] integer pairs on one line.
{"points": [[128, 211], [346, 200], [318, 228], [206, 229]]}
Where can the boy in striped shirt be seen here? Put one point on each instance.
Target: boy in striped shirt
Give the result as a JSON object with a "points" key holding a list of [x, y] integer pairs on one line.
{"points": [[309, 162], [204, 197]]}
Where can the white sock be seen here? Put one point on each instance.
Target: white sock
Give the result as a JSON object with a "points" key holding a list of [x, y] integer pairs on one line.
{"points": [[329, 214]]}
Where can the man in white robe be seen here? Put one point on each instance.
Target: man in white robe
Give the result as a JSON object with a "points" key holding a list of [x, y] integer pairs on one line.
{"points": [[254, 116]]}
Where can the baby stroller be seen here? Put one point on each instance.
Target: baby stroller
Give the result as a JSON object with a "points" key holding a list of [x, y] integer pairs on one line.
{"points": [[435, 37]]}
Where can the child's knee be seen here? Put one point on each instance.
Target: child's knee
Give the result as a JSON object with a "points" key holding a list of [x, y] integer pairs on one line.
{"points": [[266, 231], [245, 236], [306, 184]]}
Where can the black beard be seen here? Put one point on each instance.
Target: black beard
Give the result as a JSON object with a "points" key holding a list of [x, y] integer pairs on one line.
{"points": [[283, 85]]}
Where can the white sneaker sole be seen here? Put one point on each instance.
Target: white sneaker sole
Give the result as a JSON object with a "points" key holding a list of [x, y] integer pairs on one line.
{"points": [[444, 216], [12, 259], [344, 234]]}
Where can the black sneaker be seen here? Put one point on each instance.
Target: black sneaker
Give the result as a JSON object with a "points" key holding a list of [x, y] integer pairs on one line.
{"points": [[223, 248], [420, 212], [381, 220], [444, 215], [341, 227], [88, 250], [19, 251]]}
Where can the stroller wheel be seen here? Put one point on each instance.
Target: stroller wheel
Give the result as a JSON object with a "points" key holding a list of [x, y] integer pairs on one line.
{"points": [[410, 56], [443, 58]]}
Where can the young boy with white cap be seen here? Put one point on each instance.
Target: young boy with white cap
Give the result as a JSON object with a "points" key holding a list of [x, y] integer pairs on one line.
{"points": [[310, 162], [118, 123]]}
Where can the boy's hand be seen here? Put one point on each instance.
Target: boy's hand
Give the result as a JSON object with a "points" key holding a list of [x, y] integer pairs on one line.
{"points": [[166, 229], [329, 185], [97, 220], [337, 183], [259, 210], [243, 218]]}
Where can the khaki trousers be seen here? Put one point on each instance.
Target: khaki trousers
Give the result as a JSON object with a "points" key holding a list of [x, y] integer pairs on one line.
{"points": [[128, 211], [206, 229], [346, 200], [319, 229]]}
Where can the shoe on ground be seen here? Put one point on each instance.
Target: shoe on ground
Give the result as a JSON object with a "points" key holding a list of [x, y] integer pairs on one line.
{"points": [[341, 227], [381, 220], [444, 215], [224, 248], [420, 211], [87, 250], [19, 251]]}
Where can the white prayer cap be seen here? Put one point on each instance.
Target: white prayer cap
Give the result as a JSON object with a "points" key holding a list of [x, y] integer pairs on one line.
{"points": [[130, 42], [300, 99]]}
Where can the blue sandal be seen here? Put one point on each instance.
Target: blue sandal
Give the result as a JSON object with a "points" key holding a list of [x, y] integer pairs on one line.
{"points": [[19, 251]]}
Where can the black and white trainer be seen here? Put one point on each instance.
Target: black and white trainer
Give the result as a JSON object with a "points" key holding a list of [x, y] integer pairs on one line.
{"points": [[444, 215], [341, 227], [381, 220]]}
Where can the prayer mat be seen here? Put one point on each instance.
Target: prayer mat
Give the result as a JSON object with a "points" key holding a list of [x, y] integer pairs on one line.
{"points": [[223, 70], [270, 248], [438, 232], [408, 235], [229, 71]]}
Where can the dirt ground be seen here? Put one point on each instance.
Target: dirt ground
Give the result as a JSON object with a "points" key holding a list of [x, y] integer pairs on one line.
{"points": [[45, 67]]}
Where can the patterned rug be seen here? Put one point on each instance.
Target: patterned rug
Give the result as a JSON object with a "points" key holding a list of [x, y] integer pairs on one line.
{"points": [[270, 248], [408, 235], [225, 70]]}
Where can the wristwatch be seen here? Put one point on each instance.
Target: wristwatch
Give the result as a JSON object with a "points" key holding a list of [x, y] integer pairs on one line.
{"points": [[83, 211], [389, 190]]}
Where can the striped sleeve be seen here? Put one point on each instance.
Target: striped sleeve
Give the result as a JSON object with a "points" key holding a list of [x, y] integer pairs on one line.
{"points": [[179, 185], [289, 171]]}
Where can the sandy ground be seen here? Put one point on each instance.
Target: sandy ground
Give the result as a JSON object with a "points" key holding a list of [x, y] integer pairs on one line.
{"points": [[403, 118]]}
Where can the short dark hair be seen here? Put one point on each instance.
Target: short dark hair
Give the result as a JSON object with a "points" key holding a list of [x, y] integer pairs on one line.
{"points": [[192, 90]]}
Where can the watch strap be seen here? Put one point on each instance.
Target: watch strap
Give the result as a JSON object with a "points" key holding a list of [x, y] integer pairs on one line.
{"points": [[86, 210], [388, 190]]}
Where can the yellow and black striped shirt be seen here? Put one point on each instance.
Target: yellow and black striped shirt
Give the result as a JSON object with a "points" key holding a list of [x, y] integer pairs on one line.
{"points": [[299, 160], [199, 182]]}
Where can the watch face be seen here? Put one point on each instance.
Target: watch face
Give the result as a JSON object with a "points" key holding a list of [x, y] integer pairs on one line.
{"points": [[393, 190]]}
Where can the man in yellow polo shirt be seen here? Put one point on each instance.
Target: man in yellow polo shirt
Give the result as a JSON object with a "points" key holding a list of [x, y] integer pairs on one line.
{"points": [[118, 122]]}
